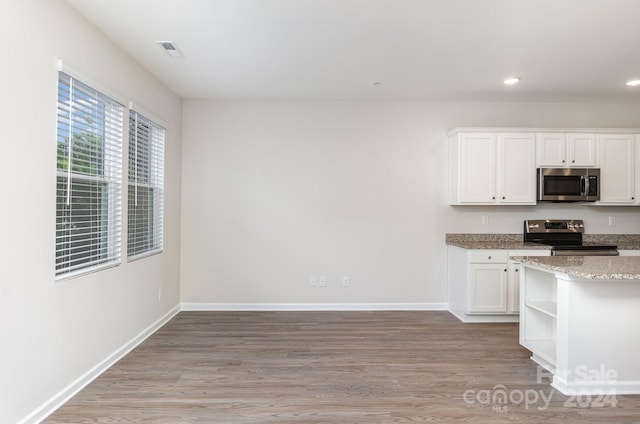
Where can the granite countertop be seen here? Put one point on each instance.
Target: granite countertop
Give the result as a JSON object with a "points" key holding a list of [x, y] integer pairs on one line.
{"points": [[623, 241], [589, 267], [515, 241], [491, 241], [489, 244]]}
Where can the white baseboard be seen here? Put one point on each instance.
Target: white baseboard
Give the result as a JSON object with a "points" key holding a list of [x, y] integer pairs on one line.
{"points": [[470, 318], [587, 389], [47, 408], [314, 306]]}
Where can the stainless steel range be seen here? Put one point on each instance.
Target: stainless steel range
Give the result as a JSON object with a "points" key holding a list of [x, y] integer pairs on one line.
{"points": [[565, 237]]}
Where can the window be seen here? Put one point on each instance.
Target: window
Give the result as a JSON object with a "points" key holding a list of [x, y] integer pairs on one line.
{"points": [[89, 179], [146, 181]]}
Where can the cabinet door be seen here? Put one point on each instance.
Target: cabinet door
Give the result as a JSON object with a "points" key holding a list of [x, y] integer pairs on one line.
{"points": [[477, 167], [581, 150], [516, 169], [487, 288], [616, 159], [514, 288], [551, 150]]}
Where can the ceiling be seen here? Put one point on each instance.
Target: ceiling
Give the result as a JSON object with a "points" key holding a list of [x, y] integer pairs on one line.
{"points": [[564, 50]]}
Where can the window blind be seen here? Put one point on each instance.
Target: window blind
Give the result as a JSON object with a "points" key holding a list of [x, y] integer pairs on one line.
{"points": [[146, 187], [89, 178]]}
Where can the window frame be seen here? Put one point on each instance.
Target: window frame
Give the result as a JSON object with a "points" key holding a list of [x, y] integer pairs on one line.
{"points": [[94, 115], [145, 157]]}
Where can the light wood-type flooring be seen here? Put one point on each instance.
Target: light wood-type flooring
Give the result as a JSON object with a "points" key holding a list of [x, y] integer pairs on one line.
{"points": [[332, 367]]}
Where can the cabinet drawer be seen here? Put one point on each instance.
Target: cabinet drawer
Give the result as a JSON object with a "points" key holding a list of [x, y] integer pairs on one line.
{"points": [[530, 252], [488, 256]]}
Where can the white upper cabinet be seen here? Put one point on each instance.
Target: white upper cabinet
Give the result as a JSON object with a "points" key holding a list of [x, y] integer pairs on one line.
{"points": [[581, 150], [551, 149], [477, 171], [617, 162], [497, 166], [492, 168], [566, 150], [516, 168]]}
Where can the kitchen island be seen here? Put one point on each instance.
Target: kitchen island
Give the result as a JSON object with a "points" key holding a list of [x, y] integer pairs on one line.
{"points": [[580, 318]]}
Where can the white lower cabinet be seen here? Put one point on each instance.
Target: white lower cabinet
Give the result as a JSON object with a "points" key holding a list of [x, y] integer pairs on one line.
{"points": [[487, 289], [584, 331], [487, 282], [484, 284], [513, 277]]}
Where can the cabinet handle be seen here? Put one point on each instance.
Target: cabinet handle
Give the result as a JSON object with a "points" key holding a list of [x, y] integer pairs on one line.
{"points": [[503, 197], [494, 198], [505, 270], [517, 270], [562, 160], [573, 161], [489, 257]]}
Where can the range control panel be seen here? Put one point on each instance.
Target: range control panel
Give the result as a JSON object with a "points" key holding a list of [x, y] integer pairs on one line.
{"points": [[554, 226]]}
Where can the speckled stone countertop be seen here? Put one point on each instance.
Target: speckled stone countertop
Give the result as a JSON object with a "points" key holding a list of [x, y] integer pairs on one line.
{"points": [[588, 267], [491, 241], [623, 241], [514, 241]]}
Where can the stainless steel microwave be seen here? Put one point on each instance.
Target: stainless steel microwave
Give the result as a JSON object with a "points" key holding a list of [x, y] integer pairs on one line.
{"points": [[569, 184]]}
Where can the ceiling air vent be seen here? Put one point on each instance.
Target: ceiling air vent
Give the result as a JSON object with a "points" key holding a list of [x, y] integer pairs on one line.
{"points": [[170, 48]]}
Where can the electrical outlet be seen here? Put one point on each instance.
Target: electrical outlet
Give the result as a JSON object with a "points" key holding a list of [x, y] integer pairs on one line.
{"points": [[312, 281], [159, 293], [485, 219], [345, 281], [612, 220], [322, 281]]}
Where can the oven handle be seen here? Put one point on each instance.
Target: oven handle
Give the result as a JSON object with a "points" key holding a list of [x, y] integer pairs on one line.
{"points": [[608, 252]]}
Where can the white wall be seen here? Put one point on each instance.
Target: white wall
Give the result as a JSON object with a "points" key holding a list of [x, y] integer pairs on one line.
{"points": [[275, 192], [52, 333]]}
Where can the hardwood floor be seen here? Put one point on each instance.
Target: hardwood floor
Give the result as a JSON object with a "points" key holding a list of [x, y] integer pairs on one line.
{"points": [[331, 367]]}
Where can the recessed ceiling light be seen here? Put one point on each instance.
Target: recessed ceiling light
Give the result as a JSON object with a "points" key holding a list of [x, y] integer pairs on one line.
{"points": [[511, 81], [171, 49], [633, 83]]}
